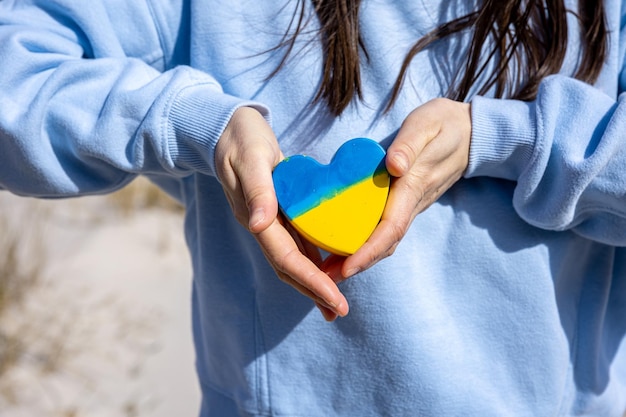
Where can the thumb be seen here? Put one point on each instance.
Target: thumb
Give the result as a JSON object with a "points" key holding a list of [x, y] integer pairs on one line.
{"points": [[258, 191], [416, 131], [251, 151]]}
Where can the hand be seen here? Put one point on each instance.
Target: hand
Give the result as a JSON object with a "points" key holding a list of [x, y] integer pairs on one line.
{"points": [[429, 154], [245, 156]]}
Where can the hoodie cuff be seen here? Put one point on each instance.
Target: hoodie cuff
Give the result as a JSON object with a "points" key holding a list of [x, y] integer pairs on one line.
{"points": [[503, 137], [197, 118]]}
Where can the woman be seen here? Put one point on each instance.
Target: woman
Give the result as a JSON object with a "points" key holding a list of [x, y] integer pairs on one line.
{"points": [[504, 294]]}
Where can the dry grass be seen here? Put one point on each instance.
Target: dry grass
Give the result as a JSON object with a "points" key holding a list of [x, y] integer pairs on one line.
{"points": [[22, 257], [44, 331], [17, 274], [141, 194]]}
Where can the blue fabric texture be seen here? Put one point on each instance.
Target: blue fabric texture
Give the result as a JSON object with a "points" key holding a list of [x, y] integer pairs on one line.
{"points": [[509, 293]]}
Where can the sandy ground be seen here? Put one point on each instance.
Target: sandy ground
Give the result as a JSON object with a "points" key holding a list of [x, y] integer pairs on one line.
{"points": [[107, 326]]}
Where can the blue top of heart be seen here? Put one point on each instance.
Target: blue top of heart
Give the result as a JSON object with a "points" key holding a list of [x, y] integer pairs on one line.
{"points": [[302, 183]]}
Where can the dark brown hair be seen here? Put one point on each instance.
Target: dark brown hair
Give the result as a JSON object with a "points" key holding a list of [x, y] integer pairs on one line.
{"points": [[527, 41]]}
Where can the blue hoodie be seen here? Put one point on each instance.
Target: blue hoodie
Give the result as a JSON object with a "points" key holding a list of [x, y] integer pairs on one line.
{"points": [[507, 297]]}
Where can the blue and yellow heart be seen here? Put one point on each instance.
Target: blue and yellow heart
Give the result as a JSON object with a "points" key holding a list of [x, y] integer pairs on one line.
{"points": [[335, 206]]}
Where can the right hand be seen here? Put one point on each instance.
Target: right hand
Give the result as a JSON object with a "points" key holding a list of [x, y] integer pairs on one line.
{"points": [[245, 156]]}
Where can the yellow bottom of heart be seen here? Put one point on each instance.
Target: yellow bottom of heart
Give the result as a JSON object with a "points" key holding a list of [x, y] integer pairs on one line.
{"points": [[342, 224]]}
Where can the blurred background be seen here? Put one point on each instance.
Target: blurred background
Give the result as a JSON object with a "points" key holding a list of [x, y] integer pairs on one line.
{"points": [[95, 307]]}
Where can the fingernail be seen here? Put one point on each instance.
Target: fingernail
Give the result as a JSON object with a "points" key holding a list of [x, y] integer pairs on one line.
{"points": [[335, 307], [401, 161], [257, 217], [352, 271], [340, 307]]}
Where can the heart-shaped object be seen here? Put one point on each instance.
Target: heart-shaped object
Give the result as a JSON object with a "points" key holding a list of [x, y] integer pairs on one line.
{"points": [[335, 206]]}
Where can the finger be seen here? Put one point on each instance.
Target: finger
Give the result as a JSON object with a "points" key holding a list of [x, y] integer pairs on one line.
{"points": [[257, 189], [332, 266], [302, 290], [401, 208], [415, 133], [311, 251], [328, 314], [284, 255], [307, 248], [245, 156]]}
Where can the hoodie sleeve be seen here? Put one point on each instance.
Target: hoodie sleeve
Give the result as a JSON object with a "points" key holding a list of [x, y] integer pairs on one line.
{"points": [[566, 150], [567, 153], [86, 103]]}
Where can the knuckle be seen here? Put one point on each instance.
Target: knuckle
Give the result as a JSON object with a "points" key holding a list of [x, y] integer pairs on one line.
{"points": [[257, 195], [391, 250], [441, 104], [283, 261], [441, 101], [409, 149], [415, 186], [397, 231]]}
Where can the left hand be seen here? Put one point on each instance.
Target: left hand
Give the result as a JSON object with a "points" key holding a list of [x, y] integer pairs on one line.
{"points": [[429, 154]]}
